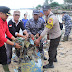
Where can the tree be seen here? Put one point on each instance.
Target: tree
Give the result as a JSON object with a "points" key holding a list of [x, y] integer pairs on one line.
{"points": [[54, 4], [68, 4], [39, 6], [51, 0], [47, 2]]}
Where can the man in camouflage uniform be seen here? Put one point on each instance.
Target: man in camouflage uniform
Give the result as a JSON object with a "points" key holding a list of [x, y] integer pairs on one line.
{"points": [[67, 20], [35, 26]]}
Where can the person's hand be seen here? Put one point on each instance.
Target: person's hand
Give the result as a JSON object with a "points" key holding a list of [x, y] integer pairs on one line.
{"points": [[17, 45], [27, 35], [15, 39], [37, 35], [37, 41], [24, 37], [32, 35]]}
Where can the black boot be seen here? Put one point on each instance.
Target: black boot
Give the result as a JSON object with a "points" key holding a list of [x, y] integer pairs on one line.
{"points": [[50, 65], [55, 59]]}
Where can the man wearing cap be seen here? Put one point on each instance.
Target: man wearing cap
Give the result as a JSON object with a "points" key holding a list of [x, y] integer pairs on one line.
{"points": [[67, 21], [53, 30], [14, 26], [41, 15], [35, 26], [4, 13]]}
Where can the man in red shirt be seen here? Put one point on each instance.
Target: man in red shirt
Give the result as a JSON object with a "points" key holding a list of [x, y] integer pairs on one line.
{"points": [[4, 13]]}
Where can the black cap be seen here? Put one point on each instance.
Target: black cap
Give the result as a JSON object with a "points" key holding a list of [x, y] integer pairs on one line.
{"points": [[46, 7], [5, 10], [36, 12]]}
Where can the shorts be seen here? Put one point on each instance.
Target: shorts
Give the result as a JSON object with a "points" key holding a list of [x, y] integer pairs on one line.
{"points": [[3, 55]]}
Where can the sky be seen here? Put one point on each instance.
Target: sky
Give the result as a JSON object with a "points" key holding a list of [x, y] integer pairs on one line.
{"points": [[15, 4]]}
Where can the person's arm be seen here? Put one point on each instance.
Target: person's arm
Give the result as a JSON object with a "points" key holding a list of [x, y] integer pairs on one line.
{"points": [[13, 31], [9, 42], [13, 38], [2, 38], [25, 32], [19, 35], [49, 26], [45, 31], [63, 19], [12, 43]]}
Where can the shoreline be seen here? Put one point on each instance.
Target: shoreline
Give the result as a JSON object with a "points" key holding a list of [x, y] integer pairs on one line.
{"points": [[55, 11]]}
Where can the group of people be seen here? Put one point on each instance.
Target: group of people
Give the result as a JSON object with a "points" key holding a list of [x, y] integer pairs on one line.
{"points": [[34, 26]]}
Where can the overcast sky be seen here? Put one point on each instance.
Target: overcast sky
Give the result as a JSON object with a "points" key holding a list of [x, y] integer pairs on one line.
{"points": [[13, 4]]}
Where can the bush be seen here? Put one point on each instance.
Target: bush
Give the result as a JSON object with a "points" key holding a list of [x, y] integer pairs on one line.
{"points": [[54, 4]]}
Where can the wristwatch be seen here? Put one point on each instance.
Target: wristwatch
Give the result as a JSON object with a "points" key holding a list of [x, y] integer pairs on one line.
{"points": [[14, 45]]}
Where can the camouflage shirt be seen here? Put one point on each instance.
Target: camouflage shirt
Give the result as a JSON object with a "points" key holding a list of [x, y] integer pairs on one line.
{"points": [[67, 19], [34, 27]]}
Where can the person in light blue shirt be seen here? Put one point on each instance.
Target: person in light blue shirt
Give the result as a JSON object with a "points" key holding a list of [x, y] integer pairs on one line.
{"points": [[25, 20], [41, 15]]}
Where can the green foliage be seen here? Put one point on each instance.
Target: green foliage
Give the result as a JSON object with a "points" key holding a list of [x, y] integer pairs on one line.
{"points": [[54, 4], [39, 6], [47, 2]]}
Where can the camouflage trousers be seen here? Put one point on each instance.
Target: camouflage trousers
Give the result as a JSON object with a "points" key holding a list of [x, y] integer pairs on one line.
{"points": [[67, 30]]}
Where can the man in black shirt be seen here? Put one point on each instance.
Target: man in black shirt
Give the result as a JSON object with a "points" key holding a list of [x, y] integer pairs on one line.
{"points": [[14, 26]]}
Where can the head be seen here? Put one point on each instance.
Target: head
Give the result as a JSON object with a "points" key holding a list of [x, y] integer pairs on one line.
{"points": [[4, 12], [35, 14], [41, 13], [46, 10], [16, 15], [63, 13], [25, 16]]}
